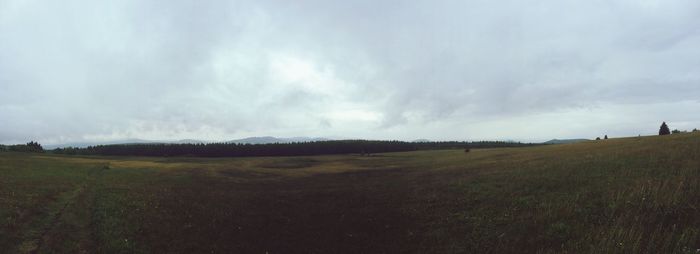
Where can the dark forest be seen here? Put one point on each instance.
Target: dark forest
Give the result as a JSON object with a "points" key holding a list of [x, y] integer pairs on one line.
{"points": [[278, 149]]}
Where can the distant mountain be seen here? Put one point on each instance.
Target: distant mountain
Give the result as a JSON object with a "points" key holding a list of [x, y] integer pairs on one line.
{"points": [[565, 141], [250, 140], [189, 141], [122, 141], [421, 140], [272, 140], [86, 144]]}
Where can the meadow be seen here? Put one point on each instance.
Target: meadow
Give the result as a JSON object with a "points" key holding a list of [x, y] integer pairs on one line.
{"points": [[627, 195]]}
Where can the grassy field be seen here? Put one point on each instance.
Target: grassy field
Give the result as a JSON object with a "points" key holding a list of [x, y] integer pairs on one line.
{"points": [[632, 195]]}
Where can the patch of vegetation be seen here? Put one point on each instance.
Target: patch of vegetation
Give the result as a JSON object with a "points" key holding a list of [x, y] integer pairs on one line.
{"points": [[290, 163]]}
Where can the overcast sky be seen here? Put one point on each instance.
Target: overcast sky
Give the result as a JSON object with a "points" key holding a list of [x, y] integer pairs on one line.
{"points": [[444, 70]]}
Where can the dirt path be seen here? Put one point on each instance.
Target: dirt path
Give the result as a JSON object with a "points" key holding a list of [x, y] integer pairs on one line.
{"points": [[69, 229]]}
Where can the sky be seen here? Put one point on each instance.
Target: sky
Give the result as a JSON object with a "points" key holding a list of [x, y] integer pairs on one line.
{"points": [[76, 71]]}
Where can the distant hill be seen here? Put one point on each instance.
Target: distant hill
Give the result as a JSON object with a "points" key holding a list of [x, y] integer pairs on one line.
{"points": [[122, 141], [250, 140], [565, 141], [189, 141], [272, 140], [86, 144]]}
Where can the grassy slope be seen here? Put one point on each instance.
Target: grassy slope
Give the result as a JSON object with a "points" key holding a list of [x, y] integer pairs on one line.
{"points": [[609, 196]]}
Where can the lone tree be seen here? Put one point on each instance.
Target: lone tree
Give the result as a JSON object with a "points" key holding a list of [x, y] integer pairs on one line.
{"points": [[664, 130], [606, 136]]}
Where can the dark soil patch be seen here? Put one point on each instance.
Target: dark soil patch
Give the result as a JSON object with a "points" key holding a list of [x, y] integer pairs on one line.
{"points": [[327, 213], [290, 163]]}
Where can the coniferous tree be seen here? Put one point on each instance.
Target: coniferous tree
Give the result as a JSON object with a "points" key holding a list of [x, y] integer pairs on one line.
{"points": [[664, 130]]}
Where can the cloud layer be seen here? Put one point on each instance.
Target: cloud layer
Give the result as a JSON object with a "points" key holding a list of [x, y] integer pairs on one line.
{"points": [[217, 70]]}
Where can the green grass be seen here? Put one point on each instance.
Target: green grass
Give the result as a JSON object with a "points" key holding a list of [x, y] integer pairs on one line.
{"points": [[632, 195]]}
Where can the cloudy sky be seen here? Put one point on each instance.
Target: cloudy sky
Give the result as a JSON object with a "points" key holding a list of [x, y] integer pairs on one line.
{"points": [[444, 70]]}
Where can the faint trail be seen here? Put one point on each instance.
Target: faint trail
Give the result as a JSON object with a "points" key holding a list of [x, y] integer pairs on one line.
{"points": [[93, 176], [56, 218]]}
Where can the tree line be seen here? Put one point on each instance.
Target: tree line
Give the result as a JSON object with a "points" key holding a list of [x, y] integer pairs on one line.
{"points": [[32, 147], [277, 149]]}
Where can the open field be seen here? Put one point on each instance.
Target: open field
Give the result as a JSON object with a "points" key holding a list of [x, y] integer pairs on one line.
{"points": [[632, 195]]}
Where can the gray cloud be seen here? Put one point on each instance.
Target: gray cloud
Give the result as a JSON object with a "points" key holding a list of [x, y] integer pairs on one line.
{"points": [[83, 70]]}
